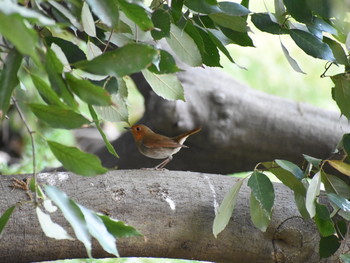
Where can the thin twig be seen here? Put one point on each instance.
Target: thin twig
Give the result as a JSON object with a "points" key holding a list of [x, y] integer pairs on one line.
{"points": [[31, 132], [108, 41]]}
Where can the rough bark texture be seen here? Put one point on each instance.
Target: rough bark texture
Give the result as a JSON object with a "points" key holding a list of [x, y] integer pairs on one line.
{"points": [[240, 126], [174, 211]]}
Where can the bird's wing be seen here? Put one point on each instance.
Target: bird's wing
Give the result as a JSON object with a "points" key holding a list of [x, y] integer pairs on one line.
{"points": [[161, 141]]}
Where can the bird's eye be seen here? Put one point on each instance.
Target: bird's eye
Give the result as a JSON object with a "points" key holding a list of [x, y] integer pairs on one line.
{"points": [[138, 128]]}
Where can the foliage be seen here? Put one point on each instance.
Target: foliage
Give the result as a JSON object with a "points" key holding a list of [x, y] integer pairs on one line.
{"points": [[78, 53]]}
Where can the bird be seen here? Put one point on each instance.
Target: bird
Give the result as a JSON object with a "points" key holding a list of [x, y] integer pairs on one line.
{"points": [[157, 146]]}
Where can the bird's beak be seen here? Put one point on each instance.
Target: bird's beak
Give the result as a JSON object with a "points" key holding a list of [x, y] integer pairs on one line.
{"points": [[127, 128]]}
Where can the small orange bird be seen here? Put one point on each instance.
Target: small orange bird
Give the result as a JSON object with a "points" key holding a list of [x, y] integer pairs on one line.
{"points": [[157, 146]]}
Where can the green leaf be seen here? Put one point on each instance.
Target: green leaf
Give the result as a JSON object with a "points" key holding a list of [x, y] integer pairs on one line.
{"points": [[88, 21], [321, 7], [341, 92], [77, 161], [312, 45], [346, 143], [258, 215], [341, 227], [225, 210], [342, 167], [210, 56], [328, 246], [300, 203], [73, 215], [109, 146], [5, 218], [345, 258], [184, 46], [58, 117], [161, 21], [106, 10], [233, 9], [291, 60], [312, 160], [165, 65], [298, 10], [54, 69], [8, 79], [202, 6], [236, 23], [312, 192], [70, 49], [98, 230], [50, 228], [118, 228], [263, 191], [88, 92], [45, 91], [339, 201], [239, 38], [126, 60], [165, 85], [220, 45], [264, 23], [14, 28], [66, 14], [291, 167], [137, 14], [333, 184], [323, 221]]}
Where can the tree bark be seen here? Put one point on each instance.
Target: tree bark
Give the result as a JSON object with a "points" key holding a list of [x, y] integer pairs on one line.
{"points": [[240, 126], [173, 210]]}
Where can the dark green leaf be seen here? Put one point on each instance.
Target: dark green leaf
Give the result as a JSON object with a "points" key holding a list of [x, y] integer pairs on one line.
{"points": [[263, 191], [312, 45], [339, 201], [323, 221], [342, 229], [5, 218], [225, 209], [321, 7], [245, 3], [264, 23], [161, 22], [341, 93], [291, 167], [298, 10], [337, 50], [58, 117], [8, 79], [72, 51], [54, 69], [258, 215], [77, 161], [165, 65], [118, 228], [300, 202], [236, 23], [328, 246], [233, 9], [204, 21], [126, 60], [210, 56], [88, 92], [25, 39], [137, 14], [72, 213], [202, 6], [322, 25], [312, 160], [335, 185], [346, 143], [109, 146], [220, 45], [238, 38], [106, 10], [98, 230], [45, 91]]}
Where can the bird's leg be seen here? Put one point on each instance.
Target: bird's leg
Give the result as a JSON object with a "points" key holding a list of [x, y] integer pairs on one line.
{"points": [[165, 162]]}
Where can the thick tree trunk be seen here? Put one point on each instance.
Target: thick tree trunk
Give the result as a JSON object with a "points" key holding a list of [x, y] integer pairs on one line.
{"points": [[173, 210], [240, 126]]}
